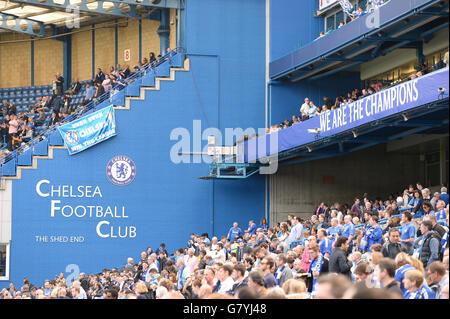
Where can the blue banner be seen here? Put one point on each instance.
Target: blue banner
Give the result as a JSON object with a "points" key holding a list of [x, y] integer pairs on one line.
{"points": [[393, 100], [89, 130]]}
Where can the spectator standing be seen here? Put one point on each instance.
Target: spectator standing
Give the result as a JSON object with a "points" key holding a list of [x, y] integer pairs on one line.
{"points": [[190, 260], [58, 84], [338, 262], [440, 211], [152, 57], [234, 232], [325, 243], [408, 233], [107, 83], [392, 247], [263, 224], [428, 245], [356, 208], [90, 92], [252, 228], [304, 110], [426, 197], [374, 233], [444, 195], [318, 266], [296, 232], [100, 76], [183, 273]]}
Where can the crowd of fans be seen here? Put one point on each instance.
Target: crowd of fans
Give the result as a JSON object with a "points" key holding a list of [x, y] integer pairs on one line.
{"points": [[397, 248], [309, 109], [18, 128]]}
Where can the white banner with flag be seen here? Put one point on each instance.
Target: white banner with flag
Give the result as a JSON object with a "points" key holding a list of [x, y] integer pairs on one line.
{"points": [[347, 7], [326, 3]]}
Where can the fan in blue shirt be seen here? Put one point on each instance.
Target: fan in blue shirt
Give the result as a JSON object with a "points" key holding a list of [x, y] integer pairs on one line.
{"points": [[234, 232], [400, 275], [374, 233], [251, 228], [408, 232], [334, 230], [325, 243], [349, 229]]}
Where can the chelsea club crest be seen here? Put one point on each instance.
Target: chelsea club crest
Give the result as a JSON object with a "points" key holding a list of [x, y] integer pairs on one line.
{"points": [[72, 137], [121, 170]]}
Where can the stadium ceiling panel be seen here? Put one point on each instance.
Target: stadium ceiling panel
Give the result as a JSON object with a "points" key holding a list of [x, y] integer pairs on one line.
{"points": [[57, 12], [14, 23]]}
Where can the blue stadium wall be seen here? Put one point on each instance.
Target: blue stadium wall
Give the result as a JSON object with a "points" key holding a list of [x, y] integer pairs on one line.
{"points": [[225, 87]]}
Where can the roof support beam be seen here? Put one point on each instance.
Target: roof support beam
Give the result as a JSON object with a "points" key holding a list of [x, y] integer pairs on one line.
{"points": [[170, 4], [88, 6], [14, 23]]}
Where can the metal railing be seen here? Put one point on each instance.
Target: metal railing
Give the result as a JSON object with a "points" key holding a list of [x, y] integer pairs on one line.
{"points": [[90, 106]]}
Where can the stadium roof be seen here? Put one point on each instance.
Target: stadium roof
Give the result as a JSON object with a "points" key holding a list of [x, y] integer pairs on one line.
{"points": [[52, 14]]}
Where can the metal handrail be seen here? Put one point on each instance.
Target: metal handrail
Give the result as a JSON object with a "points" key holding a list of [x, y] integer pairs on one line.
{"points": [[91, 105]]}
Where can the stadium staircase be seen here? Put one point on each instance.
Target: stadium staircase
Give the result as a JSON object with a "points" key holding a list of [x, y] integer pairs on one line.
{"points": [[42, 146]]}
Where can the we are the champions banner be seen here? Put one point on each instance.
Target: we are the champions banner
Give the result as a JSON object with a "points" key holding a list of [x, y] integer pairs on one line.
{"points": [[89, 130], [396, 99]]}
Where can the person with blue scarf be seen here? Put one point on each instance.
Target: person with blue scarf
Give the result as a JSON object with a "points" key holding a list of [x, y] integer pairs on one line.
{"points": [[318, 265], [183, 273]]}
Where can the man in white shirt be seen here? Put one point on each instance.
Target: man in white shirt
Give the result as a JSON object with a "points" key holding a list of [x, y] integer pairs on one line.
{"points": [[214, 242], [304, 109], [226, 281]]}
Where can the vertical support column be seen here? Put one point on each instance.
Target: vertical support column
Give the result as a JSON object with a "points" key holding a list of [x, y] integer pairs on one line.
{"points": [[443, 160], [164, 31], [67, 61], [32, 61], [140, 39], [116, 44], [420, 55], [181, 25], [93, 51]]}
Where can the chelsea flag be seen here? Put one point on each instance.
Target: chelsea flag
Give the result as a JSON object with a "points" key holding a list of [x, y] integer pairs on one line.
{"points": [[89, 130]]}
